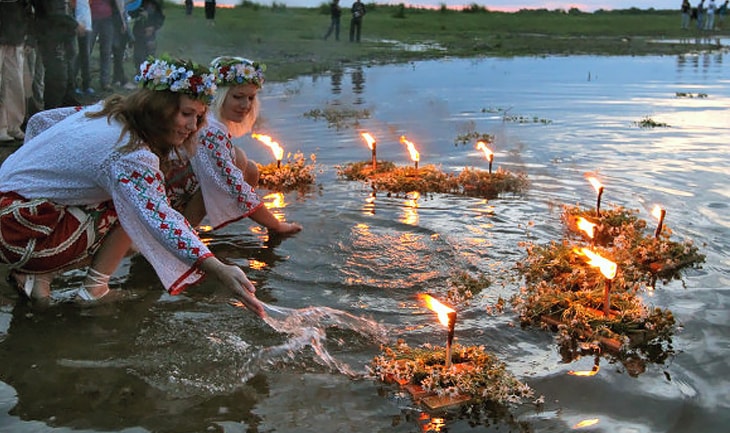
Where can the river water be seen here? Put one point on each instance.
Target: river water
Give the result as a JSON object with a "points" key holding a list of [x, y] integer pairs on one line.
{"points": [[348, 282]]}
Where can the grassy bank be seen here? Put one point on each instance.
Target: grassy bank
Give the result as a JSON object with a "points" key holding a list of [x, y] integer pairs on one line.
{"points": [[290, 40]]}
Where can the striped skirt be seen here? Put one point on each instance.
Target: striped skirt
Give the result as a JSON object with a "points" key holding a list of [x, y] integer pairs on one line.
{"points": [[38, 236]]}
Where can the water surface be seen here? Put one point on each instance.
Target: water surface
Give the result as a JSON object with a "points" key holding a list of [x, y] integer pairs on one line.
{"points": [[195, 363]]}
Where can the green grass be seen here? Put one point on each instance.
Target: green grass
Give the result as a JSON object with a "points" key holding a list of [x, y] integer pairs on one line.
{"points": [[289, 40]]}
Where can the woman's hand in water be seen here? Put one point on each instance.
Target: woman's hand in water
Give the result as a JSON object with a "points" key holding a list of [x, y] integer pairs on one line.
{"points": [[287, 228], [233, 278]]}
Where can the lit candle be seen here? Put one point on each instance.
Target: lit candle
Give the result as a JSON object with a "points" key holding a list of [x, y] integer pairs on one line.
{"points": [[415, 156], [599, 190], [487, 153], [447, 317], [589, 228], [372, 145], [659, 214], [276, 149], [608, 269]]}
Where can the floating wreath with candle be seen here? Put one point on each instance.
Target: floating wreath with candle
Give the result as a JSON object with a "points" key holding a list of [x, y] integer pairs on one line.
{"points": [[475, 376], [565, 291], [386, 176], [289, 175], [453, 375], [297, 172]]}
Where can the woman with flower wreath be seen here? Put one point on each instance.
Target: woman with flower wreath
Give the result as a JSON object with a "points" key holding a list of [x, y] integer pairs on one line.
{"points": [[90, 187], [216, 180]]}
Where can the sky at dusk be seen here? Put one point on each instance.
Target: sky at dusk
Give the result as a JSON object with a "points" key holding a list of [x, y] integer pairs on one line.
{"points": [[500, 5]]}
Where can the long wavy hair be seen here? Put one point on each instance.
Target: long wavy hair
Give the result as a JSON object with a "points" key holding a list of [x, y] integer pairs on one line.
{"points": [[236, 129], [148, 117]]}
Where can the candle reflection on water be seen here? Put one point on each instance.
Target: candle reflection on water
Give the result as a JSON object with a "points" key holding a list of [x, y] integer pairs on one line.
{"points": [[586, 423], [275, 200], [410, 209], [587, 373]]}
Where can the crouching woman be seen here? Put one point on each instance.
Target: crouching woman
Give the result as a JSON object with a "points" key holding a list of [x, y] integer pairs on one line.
{"points": [[84, 191]]}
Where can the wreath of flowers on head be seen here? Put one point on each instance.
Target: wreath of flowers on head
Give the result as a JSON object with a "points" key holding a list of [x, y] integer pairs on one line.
{"points": [[180, 76], [232, 71]]}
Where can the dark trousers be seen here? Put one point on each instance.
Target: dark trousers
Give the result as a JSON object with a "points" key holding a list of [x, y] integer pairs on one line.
{"points": [[57, 55], [104, 29], [355, 26], [145, 44], [82, 65], [334, 26], [119, 48]]}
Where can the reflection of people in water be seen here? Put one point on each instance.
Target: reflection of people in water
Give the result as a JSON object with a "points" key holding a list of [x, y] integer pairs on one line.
{"points": [[336, 79], [358, 83]]}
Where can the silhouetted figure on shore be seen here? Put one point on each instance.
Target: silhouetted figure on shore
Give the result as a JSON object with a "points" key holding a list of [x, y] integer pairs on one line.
{"points": [[358, 11], [335, 13]]}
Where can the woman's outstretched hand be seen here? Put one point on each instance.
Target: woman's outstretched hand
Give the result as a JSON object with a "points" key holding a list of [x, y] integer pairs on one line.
{"points": [[287, 228], [233, 278]]}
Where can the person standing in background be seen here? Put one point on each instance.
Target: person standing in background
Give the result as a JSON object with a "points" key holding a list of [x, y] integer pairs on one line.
{"points": [[119, 48], [335, 13], [188, 7], [686, 11], [102, 16], [148, 19], [701, 15], [56, 29], [358, 11], [210, 12], [710, 17], [82, 13], [721, 12], [15, 19], [32, 77]]}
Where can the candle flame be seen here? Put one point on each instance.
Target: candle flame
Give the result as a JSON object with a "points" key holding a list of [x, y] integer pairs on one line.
{"points": [[657, 212], [586, 423], [586, 226], [276, 149], [415, 156], [487, 152], [368, 139], [437, 307], [607, 267], [595, 182]]}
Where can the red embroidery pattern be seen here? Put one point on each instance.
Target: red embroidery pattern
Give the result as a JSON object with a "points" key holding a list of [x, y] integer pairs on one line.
{"points": [[151, 191], [211, 141]]}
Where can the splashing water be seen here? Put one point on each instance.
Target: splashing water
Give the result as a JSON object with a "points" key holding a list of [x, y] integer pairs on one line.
{"points": [[307, 327]]}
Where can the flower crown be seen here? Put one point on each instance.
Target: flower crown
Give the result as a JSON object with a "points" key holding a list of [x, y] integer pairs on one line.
{"points": [[232, 71], [178, 76]]}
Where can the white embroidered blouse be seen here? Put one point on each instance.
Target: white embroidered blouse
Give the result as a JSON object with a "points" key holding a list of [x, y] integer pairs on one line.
{"points": [[76, 161], [227, 196]]}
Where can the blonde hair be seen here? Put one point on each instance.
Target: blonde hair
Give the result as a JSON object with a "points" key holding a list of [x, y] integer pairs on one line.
{"points": [[236, 129]]}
